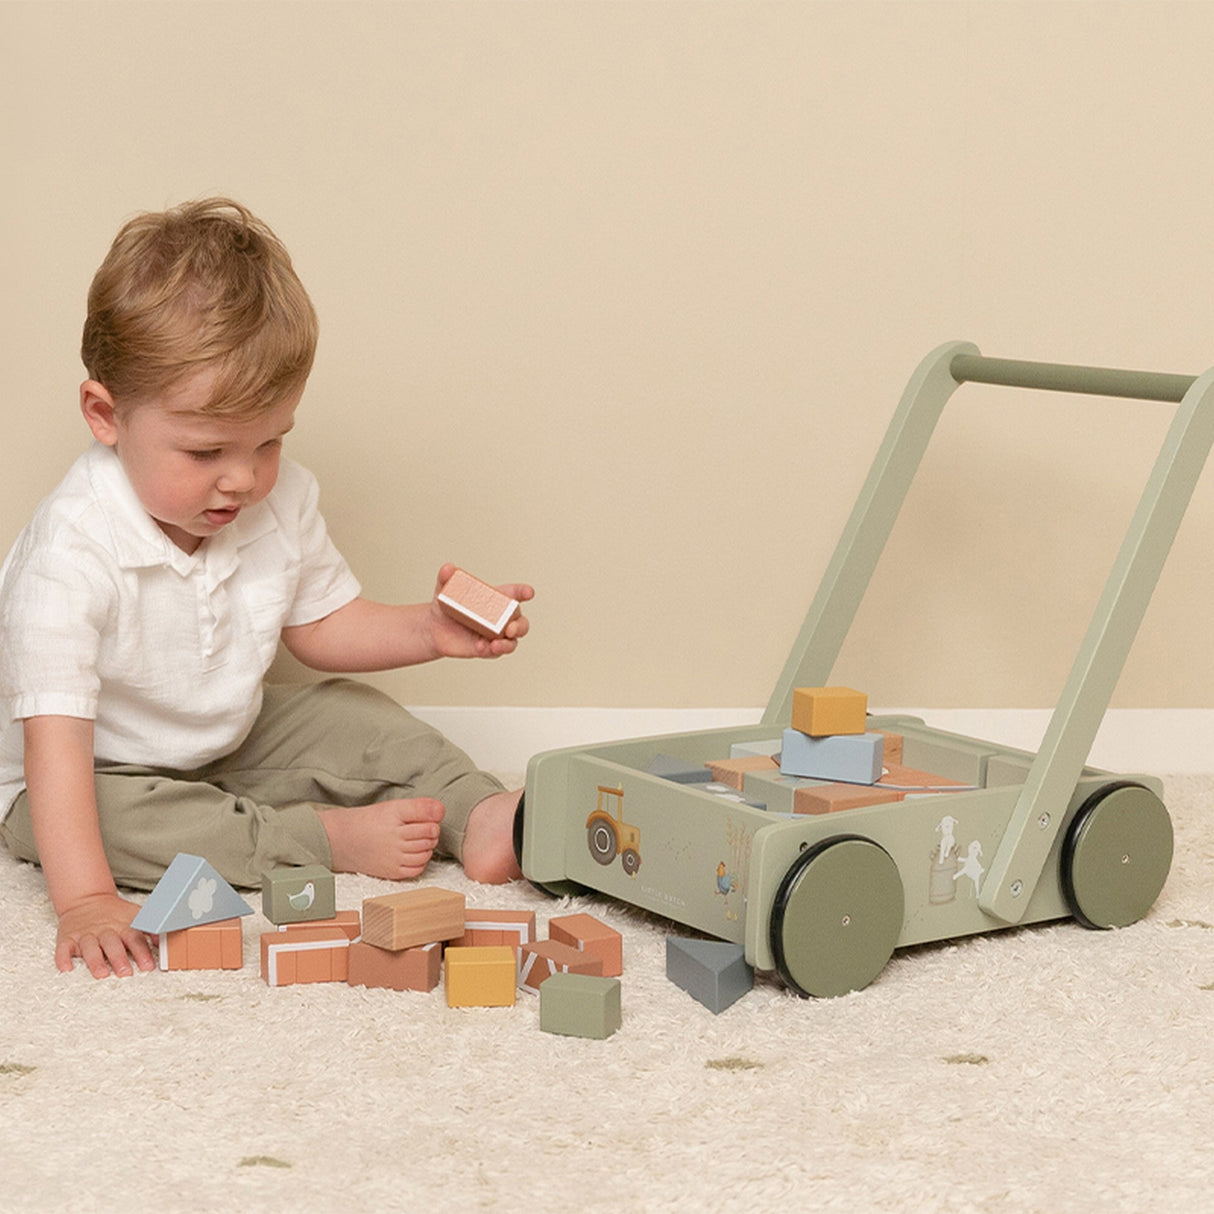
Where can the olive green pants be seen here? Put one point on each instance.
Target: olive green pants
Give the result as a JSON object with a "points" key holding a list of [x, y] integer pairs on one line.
{"points": [[333, 743]]}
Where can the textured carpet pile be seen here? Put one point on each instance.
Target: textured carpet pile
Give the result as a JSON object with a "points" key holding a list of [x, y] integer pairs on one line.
{"points": [[1041, 1069]]}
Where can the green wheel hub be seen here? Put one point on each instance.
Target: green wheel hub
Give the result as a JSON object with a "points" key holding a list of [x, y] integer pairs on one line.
{"points": [[1116, 856], [837, 916]]}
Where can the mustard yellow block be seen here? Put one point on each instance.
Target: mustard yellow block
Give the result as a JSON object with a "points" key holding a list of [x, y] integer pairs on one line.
{"points": [[482, 976], [825, 711]]}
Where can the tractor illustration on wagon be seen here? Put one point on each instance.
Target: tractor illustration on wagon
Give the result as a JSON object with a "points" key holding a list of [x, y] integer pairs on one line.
{"points": [[1003, 837], [608, 835]]}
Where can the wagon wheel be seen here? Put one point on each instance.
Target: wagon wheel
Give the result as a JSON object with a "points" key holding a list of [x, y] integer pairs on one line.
{"points": [[837, 916], [601, 840], [1116, 855]]}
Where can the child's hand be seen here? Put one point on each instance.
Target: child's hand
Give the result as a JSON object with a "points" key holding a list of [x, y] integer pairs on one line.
{"points": [[453, 640], [98, 931]]}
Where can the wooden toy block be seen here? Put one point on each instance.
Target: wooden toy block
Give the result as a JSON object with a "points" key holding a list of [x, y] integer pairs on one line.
{"points": [[713, 972], [485, 928], [539, 961], [296, 895], [189, 894], [476, 604], [831, 798], [775, 790], [580, 1005], [679, 770], [893, 746], [211, 946], [481, 977], [733, 771], [897, 776], [412, 917], [593, 937], [347, 921], [823, 711], [407, 969], [854, 758], [289, 958]]}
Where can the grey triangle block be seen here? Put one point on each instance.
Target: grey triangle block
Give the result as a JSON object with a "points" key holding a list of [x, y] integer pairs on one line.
{"points": [[189, 894], [713, 972]]}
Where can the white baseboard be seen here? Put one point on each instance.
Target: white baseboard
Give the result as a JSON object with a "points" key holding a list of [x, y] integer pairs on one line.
{"points": [[1148, 740]]}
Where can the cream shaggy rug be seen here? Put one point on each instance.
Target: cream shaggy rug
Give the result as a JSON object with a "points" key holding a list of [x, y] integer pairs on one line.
{"points": [[1043, 1069]]}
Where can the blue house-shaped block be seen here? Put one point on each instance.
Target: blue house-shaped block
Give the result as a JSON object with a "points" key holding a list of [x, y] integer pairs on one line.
{"points": [[189, 894]]}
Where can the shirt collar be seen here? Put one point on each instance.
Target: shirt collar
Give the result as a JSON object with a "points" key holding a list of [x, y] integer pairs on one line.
{"points": [[138, 543]]}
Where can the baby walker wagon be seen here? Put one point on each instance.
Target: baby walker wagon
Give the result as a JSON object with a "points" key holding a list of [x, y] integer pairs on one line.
{"points": [[994, 837]]}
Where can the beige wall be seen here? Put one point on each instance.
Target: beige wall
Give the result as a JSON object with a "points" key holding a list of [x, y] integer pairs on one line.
{"points": [[619, 297]]}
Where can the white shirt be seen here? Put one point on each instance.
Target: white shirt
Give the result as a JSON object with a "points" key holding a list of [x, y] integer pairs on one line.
{"points": [[103, 617]]}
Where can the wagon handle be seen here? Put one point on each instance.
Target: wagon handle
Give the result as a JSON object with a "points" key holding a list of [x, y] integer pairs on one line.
{"points": [[1035, 822], [1062, 377]]}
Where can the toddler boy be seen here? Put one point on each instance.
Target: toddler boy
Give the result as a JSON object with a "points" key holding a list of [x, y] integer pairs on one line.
{"points": [[142, 606]]}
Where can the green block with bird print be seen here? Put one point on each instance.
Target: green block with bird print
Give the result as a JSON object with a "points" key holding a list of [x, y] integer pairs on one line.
{"points": [[297, 895]]}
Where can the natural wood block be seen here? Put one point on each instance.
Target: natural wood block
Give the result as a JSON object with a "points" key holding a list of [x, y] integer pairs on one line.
{"points": [[412, 917]]}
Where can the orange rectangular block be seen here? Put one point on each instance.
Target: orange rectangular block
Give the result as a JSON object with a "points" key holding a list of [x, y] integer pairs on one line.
{"points": [[892, 749], [347, 921], [476, 604], [407, 969], [412, 917], [733, 771], [210, 946], [831, 798], [288, 959], [825, 711], [592, 937], [481, 977], [905, 777], [547, 957], [486, 928]]}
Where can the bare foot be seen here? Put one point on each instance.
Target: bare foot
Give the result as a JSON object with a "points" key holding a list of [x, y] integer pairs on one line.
{"points": [[391, 839], [489, 840]]}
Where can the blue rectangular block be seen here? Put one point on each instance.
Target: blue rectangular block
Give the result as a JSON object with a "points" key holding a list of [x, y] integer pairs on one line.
{"points": [[852, 758]]}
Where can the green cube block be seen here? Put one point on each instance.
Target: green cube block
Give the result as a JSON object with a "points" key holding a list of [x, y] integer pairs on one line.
{"points": [[580, 1005], [297, 895]]}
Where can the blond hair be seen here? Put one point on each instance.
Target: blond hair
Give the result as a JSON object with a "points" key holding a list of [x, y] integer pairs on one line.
{"points": [[205, 284]]}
